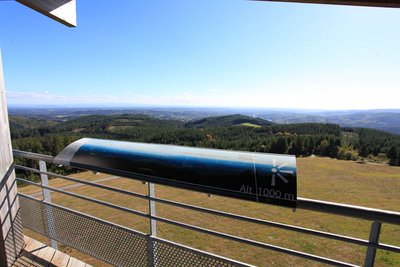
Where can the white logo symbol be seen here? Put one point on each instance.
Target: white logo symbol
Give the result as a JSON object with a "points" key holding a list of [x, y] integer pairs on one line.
{"points": [[276, 171]]}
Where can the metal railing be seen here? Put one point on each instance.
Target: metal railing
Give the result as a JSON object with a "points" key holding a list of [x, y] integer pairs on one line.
{"points": [[376, 216]]}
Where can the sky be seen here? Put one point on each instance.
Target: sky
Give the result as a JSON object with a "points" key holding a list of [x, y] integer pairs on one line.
{"points": [[200, 53]]}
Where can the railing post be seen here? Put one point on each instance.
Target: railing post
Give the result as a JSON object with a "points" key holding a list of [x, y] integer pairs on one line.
{"points": [[153, 224], [152, 209], [374, 240], [47, 198]]}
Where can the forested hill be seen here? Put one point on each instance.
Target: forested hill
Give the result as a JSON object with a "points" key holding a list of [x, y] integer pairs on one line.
{"points": [[237, 132], [229, 120]]}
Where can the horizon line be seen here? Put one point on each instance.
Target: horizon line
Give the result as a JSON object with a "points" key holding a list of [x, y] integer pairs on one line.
{"points": [[109, 106]]}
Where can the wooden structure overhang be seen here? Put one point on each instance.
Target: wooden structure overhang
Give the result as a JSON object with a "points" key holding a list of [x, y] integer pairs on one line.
{"points": [[63, 11]]}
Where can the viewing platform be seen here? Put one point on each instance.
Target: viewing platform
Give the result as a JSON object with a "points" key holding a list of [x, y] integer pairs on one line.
{"points": [[147, 236], [121, 219]]}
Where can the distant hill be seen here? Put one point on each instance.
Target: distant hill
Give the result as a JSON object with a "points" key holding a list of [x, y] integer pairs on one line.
{"points": [[24, 123], [385, 120], [229, 120], [381, 119]]}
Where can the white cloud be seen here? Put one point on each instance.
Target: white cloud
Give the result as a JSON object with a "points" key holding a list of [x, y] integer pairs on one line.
{"points": [[28, 97], [310, 95]]}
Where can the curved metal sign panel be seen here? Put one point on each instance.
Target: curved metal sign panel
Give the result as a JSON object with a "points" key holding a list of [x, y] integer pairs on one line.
{"points": [[267, 178]]}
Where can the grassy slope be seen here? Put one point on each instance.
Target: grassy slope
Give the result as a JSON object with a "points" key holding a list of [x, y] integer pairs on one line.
{"points": [[348, 182], [248, 124]]}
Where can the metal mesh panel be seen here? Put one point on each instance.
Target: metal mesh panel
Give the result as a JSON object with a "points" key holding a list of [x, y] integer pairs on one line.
{"points": [[32, 215], [108, 242], [104, 241], [174, 255]]}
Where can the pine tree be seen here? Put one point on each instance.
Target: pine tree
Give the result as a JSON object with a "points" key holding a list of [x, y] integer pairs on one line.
{"points": [[279, 146], [393, 155]]}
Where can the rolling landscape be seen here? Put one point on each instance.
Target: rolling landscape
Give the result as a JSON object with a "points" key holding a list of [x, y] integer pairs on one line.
{"points": [[48, 132], [336, 163], [381, 119]]}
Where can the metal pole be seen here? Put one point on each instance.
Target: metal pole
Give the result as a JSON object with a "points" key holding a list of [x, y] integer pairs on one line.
{"points": [[152, 209], [373, 240], [153, 224], [49, 219]]}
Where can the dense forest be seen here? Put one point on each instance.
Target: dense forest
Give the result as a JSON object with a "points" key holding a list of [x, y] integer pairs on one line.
{"points": [[235, 132]]}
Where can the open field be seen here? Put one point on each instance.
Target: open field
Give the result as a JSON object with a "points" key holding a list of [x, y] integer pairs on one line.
{"points": [[371, 185], [248, 124]]}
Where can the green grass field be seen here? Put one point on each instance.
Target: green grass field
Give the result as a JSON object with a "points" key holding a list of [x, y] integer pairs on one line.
{"points": [[121, 128], [248, 124], [370, 185]]}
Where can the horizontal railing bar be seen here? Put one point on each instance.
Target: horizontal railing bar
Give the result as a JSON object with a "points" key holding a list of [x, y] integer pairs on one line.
{"points": [[100, 202], [83, 214], [342, 238], [31, 155], [349, 210], [254, 243], [265, 222], [105, 187], [387, 247]]}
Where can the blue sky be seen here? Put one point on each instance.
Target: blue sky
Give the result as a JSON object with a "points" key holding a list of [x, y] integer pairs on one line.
{"points": [[225, 53]]}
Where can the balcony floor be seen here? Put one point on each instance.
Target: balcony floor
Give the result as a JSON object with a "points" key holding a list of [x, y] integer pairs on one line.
{"points": [[40, 255]]}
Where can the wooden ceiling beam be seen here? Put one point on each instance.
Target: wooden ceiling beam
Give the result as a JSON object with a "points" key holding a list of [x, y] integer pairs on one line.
{"points": [[63, 11]]}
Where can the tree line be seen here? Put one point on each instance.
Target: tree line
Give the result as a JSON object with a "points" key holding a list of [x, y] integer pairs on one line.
{"points": [[301, 139]]}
